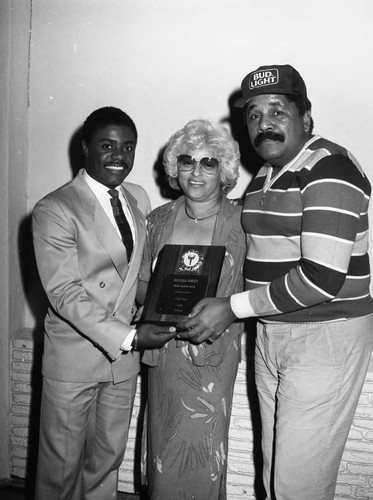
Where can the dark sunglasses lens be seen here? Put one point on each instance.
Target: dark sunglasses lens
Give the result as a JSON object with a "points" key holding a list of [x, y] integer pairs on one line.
{"points": [[185, 161], [209, 165], [209, 162]]}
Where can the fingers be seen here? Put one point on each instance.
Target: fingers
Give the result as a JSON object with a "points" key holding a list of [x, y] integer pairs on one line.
{"points": [[161, 338], [152, 336], [194, 336], [199, 339], [195, 326], [193, 316], [156, 336], [189, 323], [196, 333], [212, 320], [171, 330], [203, 337], [165, 335], [196, 339], [197, 308]]}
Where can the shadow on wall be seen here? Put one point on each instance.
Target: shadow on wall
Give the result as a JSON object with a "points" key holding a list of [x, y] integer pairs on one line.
{"points": [[75, 152], [250, 160], [38, 304], [35, 295], [161, 180], [252, 395]]}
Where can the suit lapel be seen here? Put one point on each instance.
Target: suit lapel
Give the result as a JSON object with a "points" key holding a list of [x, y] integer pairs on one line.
{"points": [[101, 226], [110, 241], [139, 223]]}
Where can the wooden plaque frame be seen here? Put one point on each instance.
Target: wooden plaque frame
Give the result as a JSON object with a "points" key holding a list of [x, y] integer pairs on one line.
{"points": [[183, 275]]}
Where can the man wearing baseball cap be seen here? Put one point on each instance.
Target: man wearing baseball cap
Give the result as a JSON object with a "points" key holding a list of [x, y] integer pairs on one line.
{"points": [[307, 279]]}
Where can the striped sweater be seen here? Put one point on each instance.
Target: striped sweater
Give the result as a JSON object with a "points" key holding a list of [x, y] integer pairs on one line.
{"points": [[307, 237]]}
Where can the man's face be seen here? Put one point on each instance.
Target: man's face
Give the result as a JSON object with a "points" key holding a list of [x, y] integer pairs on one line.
{"points": [[276, 129], [110, 154]]}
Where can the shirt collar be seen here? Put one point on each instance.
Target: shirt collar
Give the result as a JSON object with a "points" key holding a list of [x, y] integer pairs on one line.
{"points": [[96, 186]]}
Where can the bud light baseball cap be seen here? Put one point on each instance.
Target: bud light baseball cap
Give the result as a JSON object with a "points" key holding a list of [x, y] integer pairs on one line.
{"points": [[272, 80]]}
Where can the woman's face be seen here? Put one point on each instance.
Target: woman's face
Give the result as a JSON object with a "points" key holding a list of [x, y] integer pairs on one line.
{"points": [[197, 184]]}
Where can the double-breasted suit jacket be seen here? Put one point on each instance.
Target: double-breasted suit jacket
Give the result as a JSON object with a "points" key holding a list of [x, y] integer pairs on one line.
{"points": [[89, 283]]}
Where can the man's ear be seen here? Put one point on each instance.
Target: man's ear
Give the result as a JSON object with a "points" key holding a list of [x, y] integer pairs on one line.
{"points": [[85, 148], [307, 120]]}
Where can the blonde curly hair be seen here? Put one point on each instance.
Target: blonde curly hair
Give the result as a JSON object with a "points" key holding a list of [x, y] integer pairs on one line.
{"points": [[201, 133]]}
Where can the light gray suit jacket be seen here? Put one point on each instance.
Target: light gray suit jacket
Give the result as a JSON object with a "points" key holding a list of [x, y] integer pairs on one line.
{"points": [[91, 288]]}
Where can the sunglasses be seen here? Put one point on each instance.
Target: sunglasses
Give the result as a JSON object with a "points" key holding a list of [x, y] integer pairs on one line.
{"points": [[186, 163]]}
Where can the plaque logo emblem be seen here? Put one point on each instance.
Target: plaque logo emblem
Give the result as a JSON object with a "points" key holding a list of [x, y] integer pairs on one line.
{"points": [[191, 260]]}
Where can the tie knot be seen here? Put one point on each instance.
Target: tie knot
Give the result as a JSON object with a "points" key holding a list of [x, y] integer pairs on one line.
{"points": [[113, 193]]}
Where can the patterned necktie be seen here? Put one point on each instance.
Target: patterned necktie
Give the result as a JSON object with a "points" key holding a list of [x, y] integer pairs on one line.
{"points": [[121, 221]]}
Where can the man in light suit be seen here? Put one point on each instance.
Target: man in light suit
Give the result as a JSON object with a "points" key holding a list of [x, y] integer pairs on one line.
{"points": [[89, 272]]}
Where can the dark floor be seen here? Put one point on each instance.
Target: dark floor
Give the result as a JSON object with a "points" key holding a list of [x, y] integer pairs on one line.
{"points": [[14, 489]]}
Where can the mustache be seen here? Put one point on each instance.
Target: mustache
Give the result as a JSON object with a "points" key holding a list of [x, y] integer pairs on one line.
{"points": [[274, 136]]}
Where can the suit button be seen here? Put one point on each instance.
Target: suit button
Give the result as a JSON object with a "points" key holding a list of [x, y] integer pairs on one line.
{"points": [[132, 310], [102, 284]]}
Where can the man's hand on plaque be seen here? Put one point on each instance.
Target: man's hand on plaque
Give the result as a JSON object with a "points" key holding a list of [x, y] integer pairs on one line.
{"points": [[150, 336], [208, 319]]}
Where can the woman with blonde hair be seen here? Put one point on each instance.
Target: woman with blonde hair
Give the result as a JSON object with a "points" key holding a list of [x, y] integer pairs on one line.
{"points": [[190, 387]]}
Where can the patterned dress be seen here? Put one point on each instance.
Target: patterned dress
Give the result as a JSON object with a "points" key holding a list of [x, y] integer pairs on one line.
{"points": [[190, 387]]}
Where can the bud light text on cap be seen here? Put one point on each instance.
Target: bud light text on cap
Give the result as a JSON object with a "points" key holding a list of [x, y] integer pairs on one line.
{"points": [[261, 78], [272, 79]]}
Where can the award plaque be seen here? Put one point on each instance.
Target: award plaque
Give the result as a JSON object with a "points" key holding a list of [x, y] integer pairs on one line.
{"points": [[183, 275]]}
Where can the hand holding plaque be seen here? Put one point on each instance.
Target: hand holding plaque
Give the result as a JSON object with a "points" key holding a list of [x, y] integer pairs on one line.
{"points": [[183, 275], [153, 337]]}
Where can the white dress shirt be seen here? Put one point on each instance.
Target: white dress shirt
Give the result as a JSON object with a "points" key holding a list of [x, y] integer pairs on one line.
{"points": [[103, 197]]}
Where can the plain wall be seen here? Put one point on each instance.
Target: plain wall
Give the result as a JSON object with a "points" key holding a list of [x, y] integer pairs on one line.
{"points": [[168, 61], [14, 59]]}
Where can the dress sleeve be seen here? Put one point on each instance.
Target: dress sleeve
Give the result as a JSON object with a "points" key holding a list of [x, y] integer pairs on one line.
{"points": [[147, 258]]}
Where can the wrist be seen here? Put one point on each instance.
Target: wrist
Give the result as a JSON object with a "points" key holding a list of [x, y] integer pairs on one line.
{"points": [[127, 344], [240, 305]]}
